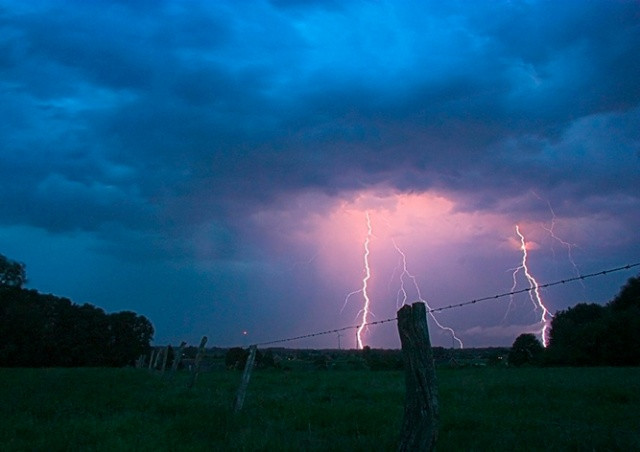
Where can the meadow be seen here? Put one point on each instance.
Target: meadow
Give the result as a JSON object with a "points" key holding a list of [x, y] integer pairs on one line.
{"points": [[356, 410]]}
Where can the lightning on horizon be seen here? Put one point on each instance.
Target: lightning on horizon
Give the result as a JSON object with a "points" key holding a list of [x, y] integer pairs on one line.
{"points": [[534, 293], [365, 311], [402, 293]]}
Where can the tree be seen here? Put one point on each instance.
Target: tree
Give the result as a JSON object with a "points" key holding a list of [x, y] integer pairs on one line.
{"points": [[267, 360], [577, 335], [629, 296], [22, 323], [526, 349], [82, 335], [595, 335], [236, 358], [622, 345], [129, 337], [12, 273], [39, 330]]}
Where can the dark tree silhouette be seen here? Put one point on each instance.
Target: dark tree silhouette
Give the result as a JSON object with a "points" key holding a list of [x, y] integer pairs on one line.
{"points": [[39, 330], [81, 335], [629, 296], [129, 337], [591, 334], [12, 273], [22, 319], [267, 359], [526, 349], [236, 358], [622, 347], [577, 334]]}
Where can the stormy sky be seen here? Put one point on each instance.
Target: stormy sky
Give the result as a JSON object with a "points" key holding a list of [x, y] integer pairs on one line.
{"points": [[212, 165]]}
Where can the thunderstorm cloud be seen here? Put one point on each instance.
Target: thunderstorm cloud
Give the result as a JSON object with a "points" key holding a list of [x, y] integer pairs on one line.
{"points": [[209, 164]]}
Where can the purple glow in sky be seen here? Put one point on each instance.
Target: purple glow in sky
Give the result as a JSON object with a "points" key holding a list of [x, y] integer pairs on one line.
{"points": [[210, 165]]}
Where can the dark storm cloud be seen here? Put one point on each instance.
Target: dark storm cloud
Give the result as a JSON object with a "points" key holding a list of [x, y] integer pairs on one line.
{"points": [[176, 115], [197, 160]]}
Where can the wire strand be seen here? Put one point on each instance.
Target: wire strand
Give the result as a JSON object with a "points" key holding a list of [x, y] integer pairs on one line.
{"points": [[456, 305], [540, 286]]}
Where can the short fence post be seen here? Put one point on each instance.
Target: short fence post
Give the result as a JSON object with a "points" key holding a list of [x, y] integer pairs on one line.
{"points": [[246, 375], [177, 357], [157, 360], [151, 358], [140, 362], [420, 422], [196, 365], [164, 359]]}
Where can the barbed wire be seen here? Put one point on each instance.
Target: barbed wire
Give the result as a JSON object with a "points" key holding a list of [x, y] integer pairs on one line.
{"points": [[456, 305], [322, 333], [539, 286]]}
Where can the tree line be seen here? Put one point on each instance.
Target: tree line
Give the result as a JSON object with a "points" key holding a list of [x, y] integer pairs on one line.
{"points": [[589, 334], [39, 330]]}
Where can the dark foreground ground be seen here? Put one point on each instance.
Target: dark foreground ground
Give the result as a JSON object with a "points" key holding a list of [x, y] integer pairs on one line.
{"points": [[480, 409]]}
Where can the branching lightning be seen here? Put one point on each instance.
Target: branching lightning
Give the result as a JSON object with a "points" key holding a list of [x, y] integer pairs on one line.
{"points": [[365, 311], [567, 245], [552, 234], [534, 293], [402, 294], [405, 277]]}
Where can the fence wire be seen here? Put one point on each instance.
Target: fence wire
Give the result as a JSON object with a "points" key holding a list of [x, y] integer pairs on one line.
{"points": [[456, 305]]}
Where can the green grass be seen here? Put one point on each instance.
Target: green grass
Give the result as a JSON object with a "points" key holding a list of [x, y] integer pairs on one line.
{"points": [[480, 409], [541, 409]]}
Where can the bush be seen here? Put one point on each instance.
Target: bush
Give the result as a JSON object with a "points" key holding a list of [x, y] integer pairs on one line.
{"points": [[526, 350]]}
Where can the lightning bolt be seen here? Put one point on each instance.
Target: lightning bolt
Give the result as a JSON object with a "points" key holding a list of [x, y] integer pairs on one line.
{"points": [[552, 234], [402, 294], [534, 292], [363, 290], [512, 303], [567, 245]]}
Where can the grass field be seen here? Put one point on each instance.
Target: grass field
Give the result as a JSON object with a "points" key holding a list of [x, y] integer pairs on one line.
{"points": [[480, 409]]}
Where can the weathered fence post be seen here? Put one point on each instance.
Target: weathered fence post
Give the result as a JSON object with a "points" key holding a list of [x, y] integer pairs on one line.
{"points": [[420, 422], [140, 362], [196, 365], [164, 359], [157, 360], [151, 358], [177, 357], [246, 375]]}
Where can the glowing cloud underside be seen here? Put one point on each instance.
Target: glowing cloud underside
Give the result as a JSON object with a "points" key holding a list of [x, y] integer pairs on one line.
{"points": [[439, 241]]}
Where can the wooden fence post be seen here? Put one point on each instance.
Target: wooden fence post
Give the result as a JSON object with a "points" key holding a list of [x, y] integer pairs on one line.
{"points": [[140, 362], [164, 359], [157, 360], [177, 357], [151, 358], [420, 423], [196, 365], [246, 375]]}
